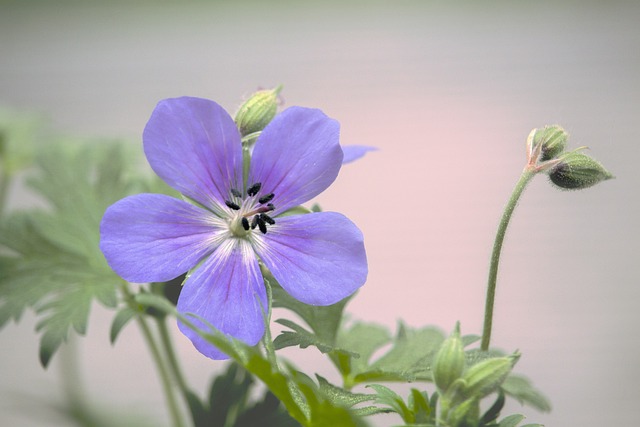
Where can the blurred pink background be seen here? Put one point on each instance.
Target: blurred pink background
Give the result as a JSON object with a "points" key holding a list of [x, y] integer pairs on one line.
{"points": [[448, 93]]}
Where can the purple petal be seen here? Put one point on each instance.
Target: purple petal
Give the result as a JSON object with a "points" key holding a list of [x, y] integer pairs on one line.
{"points": [[354, 152], [154, 238], [228, 291], [319, 258], [297, 156], [194, 146]]}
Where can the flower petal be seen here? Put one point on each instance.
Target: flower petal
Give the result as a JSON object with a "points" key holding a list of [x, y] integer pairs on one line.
{"points": [[194, 146], [297, 156], [228, 291], [354, 152], [319, 258], [155, 238]]}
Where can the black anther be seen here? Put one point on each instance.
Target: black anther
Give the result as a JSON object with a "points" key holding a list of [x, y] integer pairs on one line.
{"points": [[264, 199], [245, 223], [266, 218], [232, 205], [235, 193], [254, 222], [253, 190], [261, 225], [270, 206]]}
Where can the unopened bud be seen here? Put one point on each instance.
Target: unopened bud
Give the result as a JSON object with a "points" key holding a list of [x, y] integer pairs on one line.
{"points": [[576, 171], [257, 111], [487, 376], [449, 361], [553, 139]]}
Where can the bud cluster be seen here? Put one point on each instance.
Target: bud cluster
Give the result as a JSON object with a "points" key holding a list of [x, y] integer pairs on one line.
{"points": [[461, 387], [569, 170]]}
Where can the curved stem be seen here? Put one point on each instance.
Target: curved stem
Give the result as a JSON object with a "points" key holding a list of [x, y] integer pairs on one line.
{"points": [[526, 176], [165, 379]]}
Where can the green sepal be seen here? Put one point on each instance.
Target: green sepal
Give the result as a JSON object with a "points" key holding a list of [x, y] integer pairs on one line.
{"points": [[122, 318]]}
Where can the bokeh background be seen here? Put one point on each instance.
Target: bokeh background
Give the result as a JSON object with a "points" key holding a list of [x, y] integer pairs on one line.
{"points": [[448, 92]]}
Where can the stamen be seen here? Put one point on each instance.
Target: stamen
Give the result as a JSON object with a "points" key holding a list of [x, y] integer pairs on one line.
{"points": [[270, 206], [254, 222], [261, 225], [266, 218], [235, 193], [232, 205], [253, 190], [245, 223], [264, 199]]}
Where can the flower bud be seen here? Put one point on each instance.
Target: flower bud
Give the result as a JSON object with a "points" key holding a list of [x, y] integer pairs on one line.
{"points": [[487, 376], [257, 111], [553, 139], [449, 361], [576, 171]]}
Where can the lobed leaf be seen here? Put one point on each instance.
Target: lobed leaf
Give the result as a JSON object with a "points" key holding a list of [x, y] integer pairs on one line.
{"points": [[51, 258]]}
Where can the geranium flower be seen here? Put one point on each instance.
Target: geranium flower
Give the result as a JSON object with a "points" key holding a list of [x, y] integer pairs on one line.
{"points": [[226, 226]]}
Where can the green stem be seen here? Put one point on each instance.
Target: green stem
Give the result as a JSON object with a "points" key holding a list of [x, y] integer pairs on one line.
{"points": [[165, 379], [171, 356], [526, 176], [5, 181]]}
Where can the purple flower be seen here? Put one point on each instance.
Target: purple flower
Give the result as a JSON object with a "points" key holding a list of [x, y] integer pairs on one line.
{"points": [[227, 226]]}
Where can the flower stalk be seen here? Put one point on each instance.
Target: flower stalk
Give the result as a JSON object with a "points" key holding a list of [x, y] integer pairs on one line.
{"points": [[525, 178], [165, 378]]}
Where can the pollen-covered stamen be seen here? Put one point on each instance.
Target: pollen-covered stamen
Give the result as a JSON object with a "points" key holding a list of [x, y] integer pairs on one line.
{"points": [[235, 193], [253, 190], [254, 222], [265, 199], [245, 223]]}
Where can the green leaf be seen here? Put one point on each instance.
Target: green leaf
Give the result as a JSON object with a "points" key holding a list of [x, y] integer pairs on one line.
{"points": [[324, 321], [362, 339], [123, 317], [409, 359], [299, 337], [493, 412], [419, 405], [340, 396], [511, 420], [388, 397], [53, 263], [521, 389]]}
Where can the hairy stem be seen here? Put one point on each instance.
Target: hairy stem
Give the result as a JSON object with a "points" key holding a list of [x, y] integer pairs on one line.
{"points": [[526, 176]]}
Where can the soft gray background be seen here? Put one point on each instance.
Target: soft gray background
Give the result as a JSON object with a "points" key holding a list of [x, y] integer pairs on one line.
{"points": [[449, 94]]}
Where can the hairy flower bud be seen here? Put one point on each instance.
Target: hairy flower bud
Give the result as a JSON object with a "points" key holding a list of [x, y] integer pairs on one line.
{"points": [[449, 361], [487, 376], [257, 111], [576, 171], [553, 139]]}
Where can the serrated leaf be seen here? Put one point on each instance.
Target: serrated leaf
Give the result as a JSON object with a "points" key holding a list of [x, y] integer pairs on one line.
{"points": [[299, 337], [123, 317], [409, 359], [324, 321], [521, 389], [54, 263], [340, 396]]}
